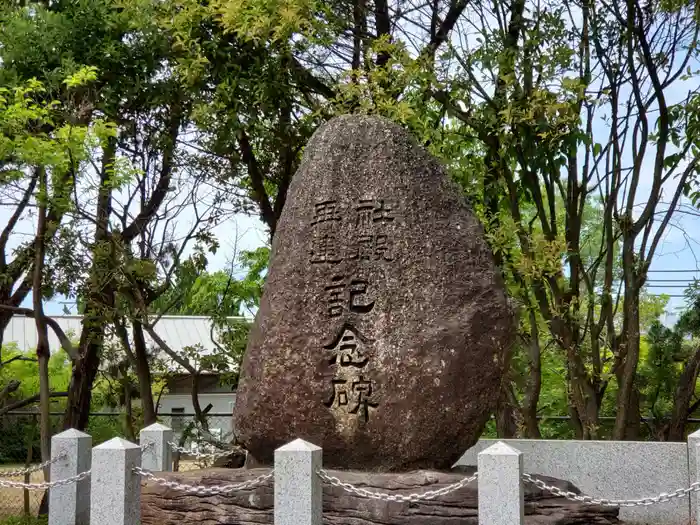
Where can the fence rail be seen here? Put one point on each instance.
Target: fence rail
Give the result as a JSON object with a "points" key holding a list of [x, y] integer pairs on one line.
{"points": [[20, 448], [102, 485]]}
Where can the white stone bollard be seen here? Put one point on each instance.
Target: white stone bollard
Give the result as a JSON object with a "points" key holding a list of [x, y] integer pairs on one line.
{"points": [[70, 504], [116, 488], [156, 454], [501, 494], [298, 488]]}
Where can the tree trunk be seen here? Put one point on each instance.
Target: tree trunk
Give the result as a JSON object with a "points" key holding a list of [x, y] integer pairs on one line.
{"points": [[99, 298], [82, 379], [534, 382], [583, 396], [634, 416], [128, 411], [627, 371], [138, 358], [164, 506], [199, 414], [42, 347], [682, 397], [27, 464], [143, 373], [5, 318], [506, 425]]}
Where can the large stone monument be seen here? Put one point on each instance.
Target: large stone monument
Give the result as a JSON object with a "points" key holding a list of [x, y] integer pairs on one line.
{"points": [[384, 331], [382, 336]]}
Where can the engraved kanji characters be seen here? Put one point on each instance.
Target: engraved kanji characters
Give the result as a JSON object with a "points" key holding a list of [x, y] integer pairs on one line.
{"points": [[371, 243], [373, 247], [350, 387], [348, 350], [382, 250], [326, 211], [324, 241], [347, 294], [356, 393], [368, 240], [325, 249], [383, 212], [366, 227], [365, 211], [335, 294], [362, 397], [339, 397]]}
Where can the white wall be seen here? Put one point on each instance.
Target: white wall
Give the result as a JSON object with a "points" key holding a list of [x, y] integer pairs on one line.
{"points": [[222, 404], [611, 469]]}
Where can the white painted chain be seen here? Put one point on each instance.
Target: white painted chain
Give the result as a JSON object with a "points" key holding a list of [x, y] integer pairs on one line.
{"points": [[661, 498], [44, 485], [199, 455], [410, 498], [201, 490], [36, 468]]}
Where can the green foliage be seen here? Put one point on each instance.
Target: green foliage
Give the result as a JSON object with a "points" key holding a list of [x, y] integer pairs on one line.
{"points": [[15, 434], [104, 428], [220, 296], [30, 133], [16, 430], [26, 371]]}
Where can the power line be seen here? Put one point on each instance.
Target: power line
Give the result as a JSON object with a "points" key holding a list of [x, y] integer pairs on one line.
{"points": [[696, 270], [669, 281]]}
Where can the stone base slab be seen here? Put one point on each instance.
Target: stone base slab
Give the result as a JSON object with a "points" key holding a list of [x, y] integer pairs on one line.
{"points": [[162, 506]]}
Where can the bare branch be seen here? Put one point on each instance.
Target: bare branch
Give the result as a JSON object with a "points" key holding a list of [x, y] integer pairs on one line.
{"points": [[63, 339], [28, 401]]}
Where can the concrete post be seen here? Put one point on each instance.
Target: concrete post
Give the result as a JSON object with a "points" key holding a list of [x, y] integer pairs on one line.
{"points": [[501, 494], [693, 442], [70, 504], [156, 456], [116, 488], [298, 488]]}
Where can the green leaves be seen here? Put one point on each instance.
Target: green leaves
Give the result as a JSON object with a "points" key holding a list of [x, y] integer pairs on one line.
{"points": [[274, 21], [81, 77]]}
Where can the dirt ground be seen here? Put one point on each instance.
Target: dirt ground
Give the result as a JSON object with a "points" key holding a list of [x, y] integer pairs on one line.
{"points": [[12, 500]]}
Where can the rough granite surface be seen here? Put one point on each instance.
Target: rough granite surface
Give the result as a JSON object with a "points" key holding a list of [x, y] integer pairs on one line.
{"points": [[384, 330]]}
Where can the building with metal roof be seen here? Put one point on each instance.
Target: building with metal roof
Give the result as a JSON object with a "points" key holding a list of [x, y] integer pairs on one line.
{"points": [[179, 333]]}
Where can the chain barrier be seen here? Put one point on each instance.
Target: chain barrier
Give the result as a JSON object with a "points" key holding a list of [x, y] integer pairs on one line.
{"points": [[199, 455], [201, 490], [409, 498], [30, 470], [44, 485], [642, 502]]}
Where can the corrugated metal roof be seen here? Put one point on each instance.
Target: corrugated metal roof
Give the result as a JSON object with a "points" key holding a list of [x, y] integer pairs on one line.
{"points": [[177, 331]]}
